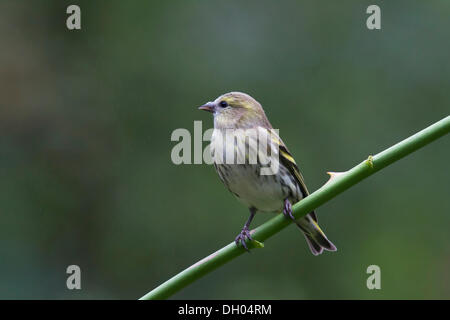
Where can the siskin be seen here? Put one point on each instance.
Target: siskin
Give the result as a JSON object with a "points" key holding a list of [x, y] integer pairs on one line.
{"points": [[238, 113]]}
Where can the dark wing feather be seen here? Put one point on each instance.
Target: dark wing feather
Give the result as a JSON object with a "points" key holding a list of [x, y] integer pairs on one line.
{"points": [[288, 161]]}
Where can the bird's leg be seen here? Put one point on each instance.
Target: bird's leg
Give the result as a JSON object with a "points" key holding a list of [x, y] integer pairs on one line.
{"points": [[245, 232], [287, 211]]}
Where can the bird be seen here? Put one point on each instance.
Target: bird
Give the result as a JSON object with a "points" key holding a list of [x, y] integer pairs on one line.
{"points": [[240, 116]]}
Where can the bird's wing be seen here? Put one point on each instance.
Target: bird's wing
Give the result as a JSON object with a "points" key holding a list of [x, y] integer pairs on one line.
{"points": [[288, 161]]}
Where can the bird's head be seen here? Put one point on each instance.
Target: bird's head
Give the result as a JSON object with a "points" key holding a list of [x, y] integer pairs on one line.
{"points": [[236, 110]]}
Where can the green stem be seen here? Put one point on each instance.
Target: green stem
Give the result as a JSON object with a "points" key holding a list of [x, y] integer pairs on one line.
{"points": [[338, 183]]}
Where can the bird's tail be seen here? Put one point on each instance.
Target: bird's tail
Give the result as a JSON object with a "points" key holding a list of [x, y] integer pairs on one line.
{"points": [[315, 237]]}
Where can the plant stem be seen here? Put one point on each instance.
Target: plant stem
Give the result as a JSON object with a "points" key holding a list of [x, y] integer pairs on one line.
{"points": [[338, 183]]}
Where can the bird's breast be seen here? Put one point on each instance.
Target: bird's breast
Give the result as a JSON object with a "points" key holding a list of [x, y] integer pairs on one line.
{"points": [[261, 191]]}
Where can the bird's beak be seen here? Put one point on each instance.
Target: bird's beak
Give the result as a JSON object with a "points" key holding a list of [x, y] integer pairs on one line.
{"points": [[207, 107]]}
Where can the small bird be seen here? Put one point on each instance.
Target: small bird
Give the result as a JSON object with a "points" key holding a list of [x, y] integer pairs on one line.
{"points": [[238, 113]]}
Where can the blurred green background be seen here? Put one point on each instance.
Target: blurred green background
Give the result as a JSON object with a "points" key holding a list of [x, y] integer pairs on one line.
{"points": [[86, 117]]}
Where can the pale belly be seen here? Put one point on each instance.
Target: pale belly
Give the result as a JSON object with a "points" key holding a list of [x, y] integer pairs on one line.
{"points": [[264, 192]]}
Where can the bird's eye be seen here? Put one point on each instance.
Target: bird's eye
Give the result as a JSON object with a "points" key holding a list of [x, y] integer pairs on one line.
{"points": [[223, 104]]}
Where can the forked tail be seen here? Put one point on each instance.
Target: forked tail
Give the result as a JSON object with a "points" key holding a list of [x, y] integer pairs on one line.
{"points": [[315, 237]]}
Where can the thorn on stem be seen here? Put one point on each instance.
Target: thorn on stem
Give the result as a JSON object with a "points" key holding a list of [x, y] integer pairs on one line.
{"points": [[334, 175]]}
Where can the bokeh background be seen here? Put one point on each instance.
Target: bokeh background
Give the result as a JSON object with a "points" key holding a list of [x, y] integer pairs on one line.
{"points": [[86, 117]]}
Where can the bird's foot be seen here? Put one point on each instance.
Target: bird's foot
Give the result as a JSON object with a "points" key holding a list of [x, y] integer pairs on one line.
{"points": [[287, 211], [242, 237]]}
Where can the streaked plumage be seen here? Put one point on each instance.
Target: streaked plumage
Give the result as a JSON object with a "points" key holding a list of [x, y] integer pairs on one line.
{"points": [[235, 112]]}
